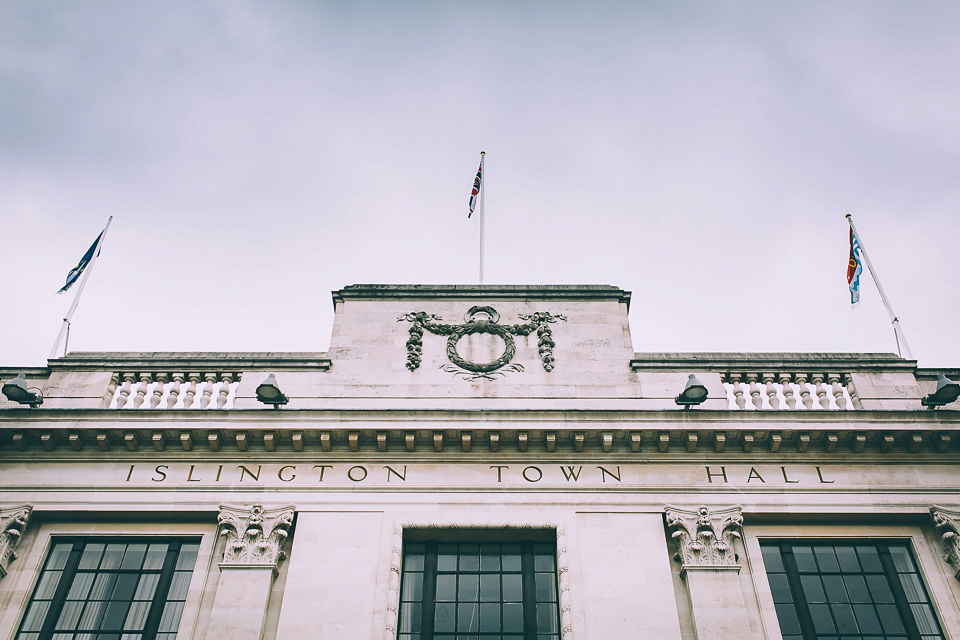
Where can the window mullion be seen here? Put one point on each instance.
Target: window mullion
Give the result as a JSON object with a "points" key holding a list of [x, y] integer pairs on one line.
{"points": [[60, 595], [899, 595], [428, 608], [800, 603], [529, 591], [160, 595]]}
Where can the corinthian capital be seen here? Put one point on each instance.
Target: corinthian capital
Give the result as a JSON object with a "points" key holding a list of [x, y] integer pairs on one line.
{"points": [[13, 522], [704, 537], [947, 523], [254, 535]]}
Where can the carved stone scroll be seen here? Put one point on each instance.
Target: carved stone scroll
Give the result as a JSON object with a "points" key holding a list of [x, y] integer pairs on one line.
{"points": [[254, 535], [13, 523], [704, 537], [947, 523]]}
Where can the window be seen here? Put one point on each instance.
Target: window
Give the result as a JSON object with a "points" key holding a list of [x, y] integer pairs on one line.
{"points": [[485, 591], [849, 591], [110, 590]]}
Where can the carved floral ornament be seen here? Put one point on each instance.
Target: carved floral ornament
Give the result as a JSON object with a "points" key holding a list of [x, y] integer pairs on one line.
{"points": [[704, 537], [947, 523], [481, 320], [13, 523], [254, 535]]}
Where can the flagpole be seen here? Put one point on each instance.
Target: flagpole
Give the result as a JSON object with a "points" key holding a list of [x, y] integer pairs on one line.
{"points": [[902, 347], [65, 327], [483, 215]]}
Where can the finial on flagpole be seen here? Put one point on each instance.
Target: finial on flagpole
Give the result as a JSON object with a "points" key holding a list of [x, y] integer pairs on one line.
{"points": [[848, 216], [483, 153]]}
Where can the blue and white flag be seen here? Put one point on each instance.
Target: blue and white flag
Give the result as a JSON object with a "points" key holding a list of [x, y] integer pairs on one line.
{"points": [[854, 269], [477, 185], [74, 273]]}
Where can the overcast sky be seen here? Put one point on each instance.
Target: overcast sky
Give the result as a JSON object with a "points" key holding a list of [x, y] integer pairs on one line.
{"points": [[257, 155]]}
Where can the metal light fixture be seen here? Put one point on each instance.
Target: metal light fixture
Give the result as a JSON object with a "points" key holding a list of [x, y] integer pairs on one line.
{"points": [[269, 393], [693, 394], [947, 391], [16, 391]]}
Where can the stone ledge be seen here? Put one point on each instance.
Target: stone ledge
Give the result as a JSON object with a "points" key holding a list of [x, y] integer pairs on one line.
{"points": [[478, 292], [737, 361]]}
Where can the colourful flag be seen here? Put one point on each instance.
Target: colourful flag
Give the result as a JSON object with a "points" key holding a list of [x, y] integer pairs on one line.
{"points": [[477, 184], [854, 269], [84, 261]]}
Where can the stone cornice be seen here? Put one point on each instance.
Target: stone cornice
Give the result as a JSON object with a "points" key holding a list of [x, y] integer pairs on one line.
{"points": [[480, 292], [722, 362], [203, 361]]}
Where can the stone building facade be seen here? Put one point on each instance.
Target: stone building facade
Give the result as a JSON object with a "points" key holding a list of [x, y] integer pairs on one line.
{"points": [[477, 462]]}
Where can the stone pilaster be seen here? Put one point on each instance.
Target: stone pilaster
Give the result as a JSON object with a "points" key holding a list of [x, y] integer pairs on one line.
{"points": [[947, 522], [704, 540], [254, 547], [13, 523]]}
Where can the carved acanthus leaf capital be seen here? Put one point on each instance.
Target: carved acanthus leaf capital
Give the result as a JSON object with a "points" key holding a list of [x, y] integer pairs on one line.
{"points": [[13, 523], [704, 537], [947, 522], [255, 535]]}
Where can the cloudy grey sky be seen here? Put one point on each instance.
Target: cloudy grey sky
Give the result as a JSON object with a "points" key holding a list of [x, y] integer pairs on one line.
{"points": [[257, 155]]}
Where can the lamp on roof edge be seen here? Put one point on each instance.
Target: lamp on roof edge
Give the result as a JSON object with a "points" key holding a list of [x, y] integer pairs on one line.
{"points": [[947, 391], [693, 394], [269, 393], [16, 391]]}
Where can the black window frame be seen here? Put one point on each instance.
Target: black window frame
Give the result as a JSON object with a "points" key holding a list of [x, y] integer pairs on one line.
{"points": [[802, 602], [71, 568], [528, 573]]}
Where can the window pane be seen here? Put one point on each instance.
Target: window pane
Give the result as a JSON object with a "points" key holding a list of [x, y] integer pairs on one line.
{"points": [[510, 560], [848, 560], [133, 558], [923, 614], [171, 616], [445, 617], [187, 557], [69, 615], [103, 586], [901, 559], [59, 555], [822, 620], [772, 559], [856, 588], [469, 557], [36, 614], [155, 555], [512, 588], [546, 587], [90, 558], [867, 619], [179, 585], [890, 618], [112, 556], [92, 615], [114, 616], [787, 615], [490, 587], [468, 617], [836, 592], [879, 588], [146, 586], [826, 559], [410, 615], [446, 588], [812, 588], [81, 586], [489, 617], [125, 587], [870, 559], [512, 617], [468, 589], [843, 615], [137, 616], [47, 585], [412, 587], [804, 558], [446, 557], [546, 618], [543, 559], [489, 557], [912, 587]]}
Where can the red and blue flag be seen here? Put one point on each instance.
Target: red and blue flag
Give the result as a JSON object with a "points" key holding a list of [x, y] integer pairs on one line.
{"points": [[854, 269]]}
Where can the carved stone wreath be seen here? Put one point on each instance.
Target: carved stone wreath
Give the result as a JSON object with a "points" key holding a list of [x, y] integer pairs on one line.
{"points": [[480, 320]]}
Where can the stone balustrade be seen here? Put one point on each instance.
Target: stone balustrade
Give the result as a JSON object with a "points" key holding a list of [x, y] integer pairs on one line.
{"points": [[163, 390], [800, 391]]}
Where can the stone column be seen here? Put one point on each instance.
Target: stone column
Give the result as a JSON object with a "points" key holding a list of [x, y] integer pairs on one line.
{"points": [[947, 523], [13, 522], [254, 548], [704, 542]]}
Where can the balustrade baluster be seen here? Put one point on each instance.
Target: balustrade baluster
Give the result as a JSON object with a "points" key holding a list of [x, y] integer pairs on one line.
{"points": [[174, 390], [145, 380], [772, 398], [209, 380], [755, 391], [851, 391], [788, 395], [224, 389], [805, 397], [188, 395], [837, 388], [111, 390], [162, 379], [125, 389], [738, 396], [817, 380]]}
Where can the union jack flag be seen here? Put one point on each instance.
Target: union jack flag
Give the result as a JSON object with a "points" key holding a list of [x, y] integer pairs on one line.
{"points": [[477, 184]]}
